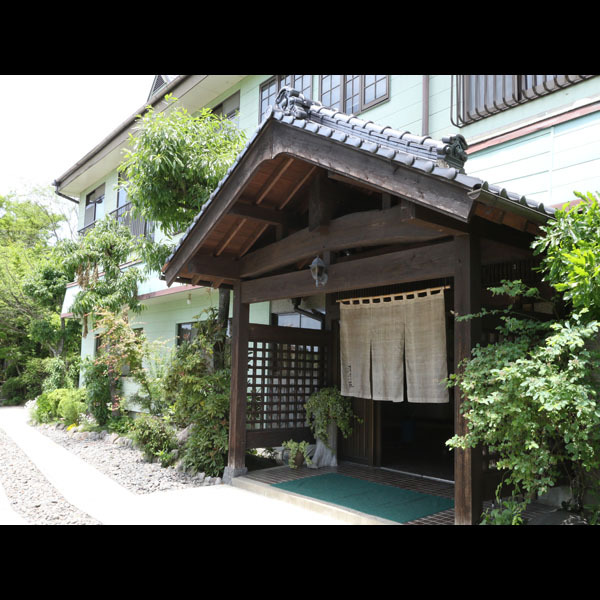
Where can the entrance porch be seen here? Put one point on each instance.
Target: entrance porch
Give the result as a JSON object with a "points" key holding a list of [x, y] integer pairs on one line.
{"points": [[384, 211], [263, 481]]}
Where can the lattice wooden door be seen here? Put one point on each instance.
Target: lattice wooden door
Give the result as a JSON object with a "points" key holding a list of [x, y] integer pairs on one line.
{"points": [[285, 366]]}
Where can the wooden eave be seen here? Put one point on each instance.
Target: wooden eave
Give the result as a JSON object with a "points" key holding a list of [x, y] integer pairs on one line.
{"points": [[286, 201]]}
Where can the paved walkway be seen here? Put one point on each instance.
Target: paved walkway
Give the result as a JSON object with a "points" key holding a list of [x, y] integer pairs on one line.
{"points": [[110, 503]]}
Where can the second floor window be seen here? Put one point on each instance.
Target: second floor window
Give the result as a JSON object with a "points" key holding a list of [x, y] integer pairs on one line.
{"points": [[229, 108], [94, 206], [271, 87], [353, 94], [478, 96]]}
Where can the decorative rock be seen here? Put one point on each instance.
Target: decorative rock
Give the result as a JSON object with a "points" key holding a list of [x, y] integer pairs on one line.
{"points": [[113, 437], [183, 435]]}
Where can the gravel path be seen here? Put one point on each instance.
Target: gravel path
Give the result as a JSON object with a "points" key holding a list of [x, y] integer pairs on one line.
{"points": [[35, 499], [30, 494]]}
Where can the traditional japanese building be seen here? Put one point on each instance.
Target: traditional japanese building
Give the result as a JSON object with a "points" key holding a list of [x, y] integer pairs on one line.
{"points": [[404, 240]]}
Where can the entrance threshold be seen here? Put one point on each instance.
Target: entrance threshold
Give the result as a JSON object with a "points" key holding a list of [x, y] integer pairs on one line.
{"points": [[417, 475]]}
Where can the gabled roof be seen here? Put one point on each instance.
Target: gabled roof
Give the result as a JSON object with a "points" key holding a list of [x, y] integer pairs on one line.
{"points": [[441, 160], [160, 81]]}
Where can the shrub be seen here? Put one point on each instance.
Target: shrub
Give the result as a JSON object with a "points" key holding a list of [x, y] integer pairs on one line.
{"points": [[98, 398], [13, 391], [72, 405], [59, 374], [206, 448], [155, 437], [46, 408]]}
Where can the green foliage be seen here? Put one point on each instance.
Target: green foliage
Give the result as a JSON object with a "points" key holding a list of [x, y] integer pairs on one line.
{"points": [[32, 283], [46, 407], [72, 406], [96, 259], [190, 377], [571, 254], [530, 399], [175, 161], [507, 512], [155, 437], [329, 406], [207, 447], [98, 390], [295, 448], [13, 391], [60, 374]]}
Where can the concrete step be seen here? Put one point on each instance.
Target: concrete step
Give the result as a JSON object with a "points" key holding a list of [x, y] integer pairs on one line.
{"points": [[347, 515]]}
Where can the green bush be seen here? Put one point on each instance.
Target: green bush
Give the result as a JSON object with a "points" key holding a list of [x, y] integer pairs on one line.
{"points": [[46, 407], [59, 374], [13, 391], [155, 437], [98, 398], [72, 405], [206, 448]]}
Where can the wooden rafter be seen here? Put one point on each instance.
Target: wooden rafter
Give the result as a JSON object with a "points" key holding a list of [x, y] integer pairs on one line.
{"points": [[262, 194]]}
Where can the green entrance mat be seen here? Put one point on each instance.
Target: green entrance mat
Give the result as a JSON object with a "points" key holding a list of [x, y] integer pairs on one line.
{"points": [[385, 501]]}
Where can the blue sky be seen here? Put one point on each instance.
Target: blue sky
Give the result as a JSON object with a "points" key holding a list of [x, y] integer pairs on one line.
{"points": [[49, 122]]}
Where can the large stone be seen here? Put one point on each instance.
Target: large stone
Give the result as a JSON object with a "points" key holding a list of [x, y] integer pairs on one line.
{"points": [[184, 434], [326, 453]]}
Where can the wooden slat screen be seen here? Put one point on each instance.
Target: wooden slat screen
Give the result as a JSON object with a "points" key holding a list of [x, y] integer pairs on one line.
{"points": [[285, 366]]}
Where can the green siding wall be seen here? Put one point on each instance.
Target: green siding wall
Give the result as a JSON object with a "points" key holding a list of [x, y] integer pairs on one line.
{"points": [[546, 166]]}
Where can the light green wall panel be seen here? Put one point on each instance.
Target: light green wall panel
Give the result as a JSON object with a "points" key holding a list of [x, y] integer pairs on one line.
{"points": [[439, 107], [546, 166]]}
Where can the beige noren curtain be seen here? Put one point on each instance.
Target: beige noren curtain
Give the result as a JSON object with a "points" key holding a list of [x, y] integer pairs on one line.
{"points": [[377, 339]]}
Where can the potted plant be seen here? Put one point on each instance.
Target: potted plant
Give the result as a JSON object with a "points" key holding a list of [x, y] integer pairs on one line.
{"points": [[298, 453], [328, 411]]}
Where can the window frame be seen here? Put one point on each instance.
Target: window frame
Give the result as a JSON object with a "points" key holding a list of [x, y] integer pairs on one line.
{"points": [[193, 332], [362, 86], [232, 114], [94, 198], [477, 97]]}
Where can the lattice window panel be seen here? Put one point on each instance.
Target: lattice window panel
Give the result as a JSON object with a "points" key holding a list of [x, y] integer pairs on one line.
{"points": [[281, 377]]}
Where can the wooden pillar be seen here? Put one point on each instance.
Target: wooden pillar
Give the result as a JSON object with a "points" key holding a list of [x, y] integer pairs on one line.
{"points": [[468, 504], [239, 387]]}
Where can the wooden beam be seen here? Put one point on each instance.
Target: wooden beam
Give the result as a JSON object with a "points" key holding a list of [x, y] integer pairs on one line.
{"points": [[427, 262], [259, 213], [321, 202], [239, 382], [252, 240], [362, 229], [262, 194], [500, 233], [273, 179], [468, 501], [229, 236], [207, 266], [297, 187]]}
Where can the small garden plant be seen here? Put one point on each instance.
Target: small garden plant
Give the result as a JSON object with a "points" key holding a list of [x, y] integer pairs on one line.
{"points": [[328, 406], [294, 449]]}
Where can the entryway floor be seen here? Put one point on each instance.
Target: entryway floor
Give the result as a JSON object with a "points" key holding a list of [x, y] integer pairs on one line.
{"points": [[267, 477]]}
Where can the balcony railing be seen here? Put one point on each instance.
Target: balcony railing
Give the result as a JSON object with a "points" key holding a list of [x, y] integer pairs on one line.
{"points": [[475, 97], [124, 216]]}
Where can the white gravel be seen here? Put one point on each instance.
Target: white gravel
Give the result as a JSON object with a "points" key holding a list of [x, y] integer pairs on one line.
{"points": [[37, 501]]}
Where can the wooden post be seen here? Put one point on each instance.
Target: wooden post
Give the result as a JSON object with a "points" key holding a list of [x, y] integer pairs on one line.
{"points": [[239, 377], [468, 504]]}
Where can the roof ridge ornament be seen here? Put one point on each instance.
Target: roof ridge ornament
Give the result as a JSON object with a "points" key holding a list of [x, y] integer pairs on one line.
{"points": [[455, 150], [292, 102]]}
